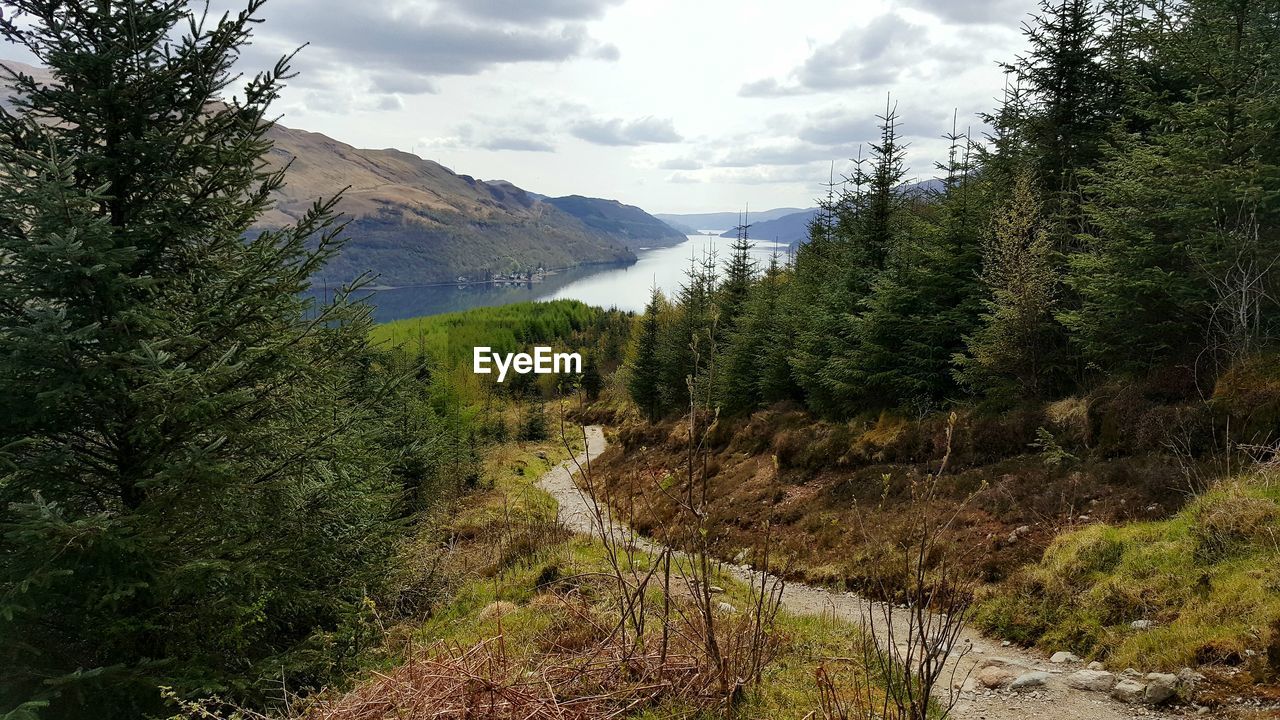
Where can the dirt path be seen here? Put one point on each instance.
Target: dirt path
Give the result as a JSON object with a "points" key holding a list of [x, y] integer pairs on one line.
{"points": [[1053, 701]]}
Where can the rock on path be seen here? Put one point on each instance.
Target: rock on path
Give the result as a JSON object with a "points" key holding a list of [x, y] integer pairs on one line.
{"points": [[1047, 696]]}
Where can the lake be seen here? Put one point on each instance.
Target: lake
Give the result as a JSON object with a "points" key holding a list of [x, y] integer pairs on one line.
{"points": [[610, 286]]}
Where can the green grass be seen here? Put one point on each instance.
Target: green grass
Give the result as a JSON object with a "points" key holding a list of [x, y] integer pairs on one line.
{"points": [[512, 597], [508, 328], [1208, 578]]}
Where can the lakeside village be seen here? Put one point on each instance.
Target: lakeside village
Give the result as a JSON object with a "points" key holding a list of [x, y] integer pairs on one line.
{"points": [[511, 279]]}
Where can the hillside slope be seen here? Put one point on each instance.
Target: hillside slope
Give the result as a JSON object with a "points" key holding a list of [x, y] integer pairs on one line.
{"points": [[627, 224], [415, 221], [793, 228]]}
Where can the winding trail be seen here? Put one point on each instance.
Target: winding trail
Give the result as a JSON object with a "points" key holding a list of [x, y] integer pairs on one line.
{"points": [[1052, 701]]}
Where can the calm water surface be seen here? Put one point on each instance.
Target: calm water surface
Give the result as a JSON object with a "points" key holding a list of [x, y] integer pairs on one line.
{"points": [[625, 288]]}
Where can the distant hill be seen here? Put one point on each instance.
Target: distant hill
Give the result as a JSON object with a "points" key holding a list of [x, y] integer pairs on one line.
{"points": [[690, 223], [791, 228], [414, 221], [625, 223], [794, 228]]}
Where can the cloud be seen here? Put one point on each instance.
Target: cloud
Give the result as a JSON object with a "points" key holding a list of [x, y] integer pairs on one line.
{"points": [[403, 84], [533, 11], [615, 131], [976, 12], [785, 153], [680, 163], [402, 48], [518, 144], [885, 51], [770, 87]]}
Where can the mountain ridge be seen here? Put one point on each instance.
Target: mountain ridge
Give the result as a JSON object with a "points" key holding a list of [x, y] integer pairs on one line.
{"points": [[411, 220]]}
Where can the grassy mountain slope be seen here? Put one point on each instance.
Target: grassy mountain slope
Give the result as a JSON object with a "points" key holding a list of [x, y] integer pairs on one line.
{"points": [[416, 221]]}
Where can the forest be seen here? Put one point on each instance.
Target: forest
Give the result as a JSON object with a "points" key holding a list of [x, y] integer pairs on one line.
{"points": [[1117, 220], [224, 498]]}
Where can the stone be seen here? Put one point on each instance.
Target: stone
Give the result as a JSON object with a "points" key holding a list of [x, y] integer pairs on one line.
{"points": [[725, 607], [1129, 691], [1141, 624], [1160, 687], [1029, 680], [996, 676], [716, 589], [1064, 657], [1092, 680], [1019, 532], [1189, 679]]}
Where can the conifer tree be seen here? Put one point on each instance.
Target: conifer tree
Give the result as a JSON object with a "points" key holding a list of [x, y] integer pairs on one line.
{"points": [[739, 273], [643, 365], [196, 489], [688, 340], [1070, 111], [1181, 263]]}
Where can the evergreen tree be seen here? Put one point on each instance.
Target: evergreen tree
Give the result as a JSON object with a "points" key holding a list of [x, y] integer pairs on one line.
{"points": [[592, 382], [197, 491], [1071, 106], [740, 271], [688, 341], [1180, 266], [919, 309], [644, 368]]}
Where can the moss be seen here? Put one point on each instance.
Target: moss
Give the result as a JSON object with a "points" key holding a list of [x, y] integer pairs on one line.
{"points": [[1206, 577]]}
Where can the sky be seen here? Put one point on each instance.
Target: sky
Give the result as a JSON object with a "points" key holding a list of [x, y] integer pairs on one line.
{"points": [[672, 105]]}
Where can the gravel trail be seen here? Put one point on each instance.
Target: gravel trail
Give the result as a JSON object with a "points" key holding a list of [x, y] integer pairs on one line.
{"points": [[1054, 700]]}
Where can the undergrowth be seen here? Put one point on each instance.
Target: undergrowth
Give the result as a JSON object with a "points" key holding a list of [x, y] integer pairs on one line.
{"points": [[1199, 588]]}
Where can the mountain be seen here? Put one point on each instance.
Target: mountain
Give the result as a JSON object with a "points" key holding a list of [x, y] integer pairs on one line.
{"points": [[791, 228], [690, 223], [625, 223], [414, 221], [794, 228]]}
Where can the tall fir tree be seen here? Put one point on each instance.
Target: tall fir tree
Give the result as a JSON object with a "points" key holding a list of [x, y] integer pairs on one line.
{"points": [[196, 488], [739, 272], [643, 365], [1180, 266]]}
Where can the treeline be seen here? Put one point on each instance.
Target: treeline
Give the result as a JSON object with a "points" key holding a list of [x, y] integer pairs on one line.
{"points": [[205, 478], [442, 347], [1119, 220]]}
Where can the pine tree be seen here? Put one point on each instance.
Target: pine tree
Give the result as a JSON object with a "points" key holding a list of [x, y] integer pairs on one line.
{"points": [[643, 365], [688, 341], [920, 307], [592, 382], [740, 271], [196, 488], [1069, 114], [1180, 266]]}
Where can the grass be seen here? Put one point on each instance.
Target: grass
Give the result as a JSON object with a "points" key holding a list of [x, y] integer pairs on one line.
{"points": [[1208, 579], [507, 328], [548, 597]]}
